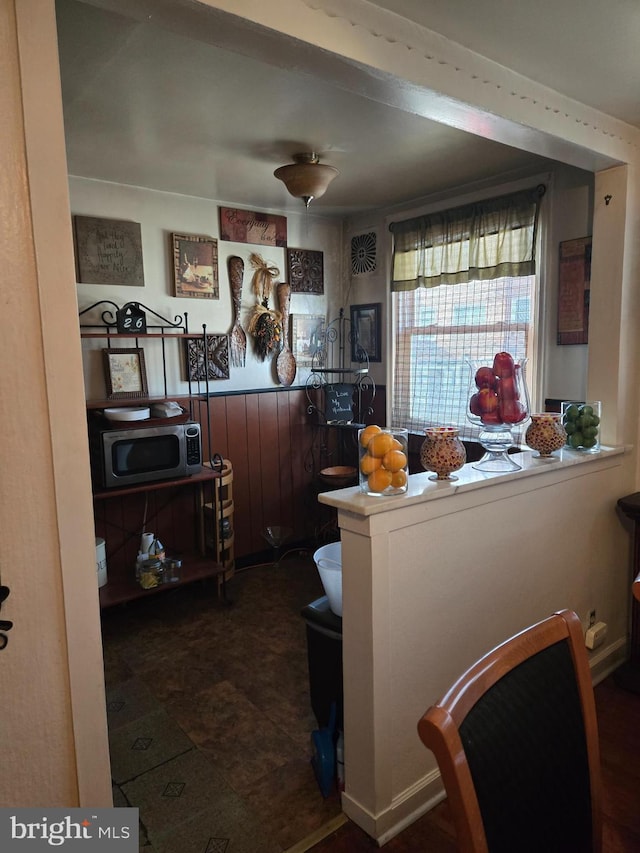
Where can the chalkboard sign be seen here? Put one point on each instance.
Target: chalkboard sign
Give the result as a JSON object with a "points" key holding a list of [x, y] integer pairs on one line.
{"points": [[131, 319], [339, 403]]}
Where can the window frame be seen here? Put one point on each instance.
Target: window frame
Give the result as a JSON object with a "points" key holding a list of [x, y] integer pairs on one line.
{"points": [[538, 331]]}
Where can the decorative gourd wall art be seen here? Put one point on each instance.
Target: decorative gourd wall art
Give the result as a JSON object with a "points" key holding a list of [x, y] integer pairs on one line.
{"points": [[265, 324]]}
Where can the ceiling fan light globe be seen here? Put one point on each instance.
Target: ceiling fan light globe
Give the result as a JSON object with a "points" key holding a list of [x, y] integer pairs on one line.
{"points": [[306, 180]]}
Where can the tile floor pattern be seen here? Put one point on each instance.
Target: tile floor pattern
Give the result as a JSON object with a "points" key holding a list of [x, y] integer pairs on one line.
{"points": [[209, 714]]}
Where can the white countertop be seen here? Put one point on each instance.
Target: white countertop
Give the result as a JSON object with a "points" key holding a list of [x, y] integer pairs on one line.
{"points": [[421, 488]]}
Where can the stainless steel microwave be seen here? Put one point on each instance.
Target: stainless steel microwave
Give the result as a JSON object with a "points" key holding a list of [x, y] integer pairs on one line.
{"points": [[127, 457]]}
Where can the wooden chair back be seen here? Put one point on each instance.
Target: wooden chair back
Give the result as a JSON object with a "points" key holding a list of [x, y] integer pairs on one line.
{"points": [[516, 742]]}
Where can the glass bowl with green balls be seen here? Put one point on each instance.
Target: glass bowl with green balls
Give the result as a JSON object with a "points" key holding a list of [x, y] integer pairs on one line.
{"points": [[581, 421]]}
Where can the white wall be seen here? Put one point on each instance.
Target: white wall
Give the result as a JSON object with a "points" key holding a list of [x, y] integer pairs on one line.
{"points": [[565, 367], [160, 215]]}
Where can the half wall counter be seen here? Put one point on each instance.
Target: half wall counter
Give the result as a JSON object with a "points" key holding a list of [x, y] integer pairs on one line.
{"points": [[434, 578]]}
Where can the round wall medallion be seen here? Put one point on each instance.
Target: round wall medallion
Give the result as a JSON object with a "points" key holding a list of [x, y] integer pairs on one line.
{"points": [[363, 253]]}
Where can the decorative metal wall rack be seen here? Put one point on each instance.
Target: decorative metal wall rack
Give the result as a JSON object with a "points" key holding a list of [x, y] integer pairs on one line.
{"points": [[332, 369]]}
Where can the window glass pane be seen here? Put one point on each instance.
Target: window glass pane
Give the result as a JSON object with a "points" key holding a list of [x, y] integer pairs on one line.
{"points": [[437, 329]]}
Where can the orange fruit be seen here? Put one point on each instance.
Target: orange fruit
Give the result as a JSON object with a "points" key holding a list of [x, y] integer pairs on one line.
{"points": [[380, 443], [369, 464], [379, 480], [397, 445], [398, 479], [367, 432], [394, 460]]}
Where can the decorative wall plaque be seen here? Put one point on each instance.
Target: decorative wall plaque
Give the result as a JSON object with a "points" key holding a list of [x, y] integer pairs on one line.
{"points": [[217, 358], [108, 251], [249, 226], [363, 253], [306, 271]]}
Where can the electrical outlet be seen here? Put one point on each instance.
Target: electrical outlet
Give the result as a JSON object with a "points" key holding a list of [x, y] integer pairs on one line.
{"points": [[592, 618], [596, 635]]}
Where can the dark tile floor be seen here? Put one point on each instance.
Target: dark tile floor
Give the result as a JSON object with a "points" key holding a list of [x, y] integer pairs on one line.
{"points": [[209, 714]]}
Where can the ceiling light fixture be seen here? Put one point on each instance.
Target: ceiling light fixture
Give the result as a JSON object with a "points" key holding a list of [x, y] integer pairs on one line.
{"points": [[307, 178]]}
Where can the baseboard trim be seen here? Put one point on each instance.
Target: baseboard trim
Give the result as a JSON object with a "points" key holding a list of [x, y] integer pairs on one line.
{"points": [[608, 660], [404, 810]]}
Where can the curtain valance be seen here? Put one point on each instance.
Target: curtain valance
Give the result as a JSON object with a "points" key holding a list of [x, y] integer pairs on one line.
{"points": [[484, 240]]}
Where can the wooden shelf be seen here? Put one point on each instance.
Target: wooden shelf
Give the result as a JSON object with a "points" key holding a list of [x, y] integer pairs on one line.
{"points": [[168, 335], [123, 589], [342, 371], [206, 475], [196, 565], [134, 401]]}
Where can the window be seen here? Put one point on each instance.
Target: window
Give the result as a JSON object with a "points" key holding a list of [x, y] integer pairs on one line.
{"points": [[464, 288]]}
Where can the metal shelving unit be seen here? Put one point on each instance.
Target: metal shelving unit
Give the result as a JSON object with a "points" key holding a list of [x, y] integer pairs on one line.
{"points": [[214, 492], [340, 394]]}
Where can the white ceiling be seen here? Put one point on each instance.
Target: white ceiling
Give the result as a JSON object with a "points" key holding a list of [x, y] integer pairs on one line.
{"points": [[149, 106], [587, 49]]}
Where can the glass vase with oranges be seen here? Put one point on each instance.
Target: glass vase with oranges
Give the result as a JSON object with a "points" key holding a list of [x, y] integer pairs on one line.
{"points": [[383, 464]]}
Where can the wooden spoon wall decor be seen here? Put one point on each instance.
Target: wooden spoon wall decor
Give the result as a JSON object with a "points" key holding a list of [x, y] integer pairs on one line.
{"points": [[286, 361], [238, 338]]}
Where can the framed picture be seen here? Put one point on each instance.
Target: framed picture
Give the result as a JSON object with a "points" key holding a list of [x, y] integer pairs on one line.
{"points": [[217, 358], [125, 374], [574, 284], [108, 251], [195, 266], [305, 270], [307, 337], [366, 331]]}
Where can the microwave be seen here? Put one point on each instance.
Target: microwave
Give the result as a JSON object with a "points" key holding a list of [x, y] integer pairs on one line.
{"points": [[133, 455]]}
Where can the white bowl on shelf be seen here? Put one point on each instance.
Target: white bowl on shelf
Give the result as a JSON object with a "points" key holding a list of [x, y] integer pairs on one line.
{"points": [[130, 413]]}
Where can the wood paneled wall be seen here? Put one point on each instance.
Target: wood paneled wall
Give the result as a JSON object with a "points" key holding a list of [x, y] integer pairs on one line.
{"points": [[270, 439], [276, 449]]}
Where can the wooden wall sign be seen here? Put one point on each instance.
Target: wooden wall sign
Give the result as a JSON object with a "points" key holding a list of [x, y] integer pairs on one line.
{"points": [[108, 251], [574, 282], [248, 226]]}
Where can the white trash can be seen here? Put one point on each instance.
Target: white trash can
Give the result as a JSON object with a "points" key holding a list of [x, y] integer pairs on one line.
{"points": [[328, 560]]}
